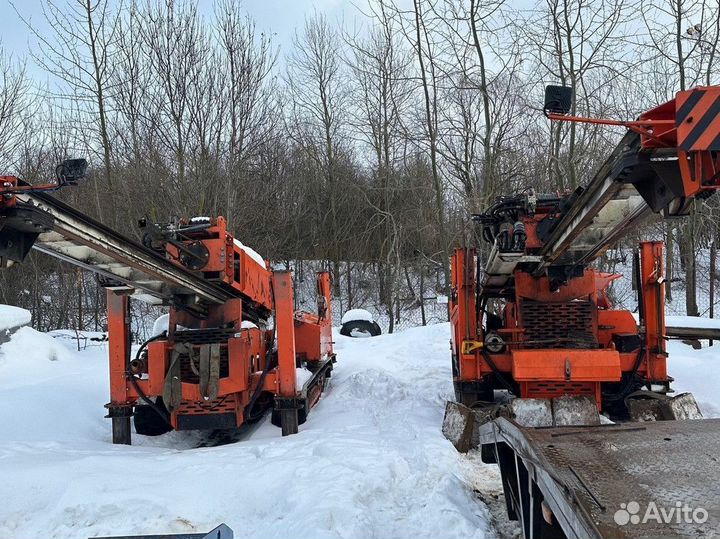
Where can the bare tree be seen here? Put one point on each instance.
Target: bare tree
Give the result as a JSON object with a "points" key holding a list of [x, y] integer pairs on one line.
{"points": [[573, 41], [319, 93], [249, 61], [424, 49], [79, 53], [381, 92], [17, 107], [682, 44], [176, 47]]}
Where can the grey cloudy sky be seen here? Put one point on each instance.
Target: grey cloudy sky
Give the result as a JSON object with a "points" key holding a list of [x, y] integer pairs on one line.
{"points": [[281, 17]]}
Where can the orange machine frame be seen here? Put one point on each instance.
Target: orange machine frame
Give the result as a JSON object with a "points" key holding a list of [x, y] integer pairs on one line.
{"points": [[620, 354], [551, 372], [248, 364], [230, 264]]}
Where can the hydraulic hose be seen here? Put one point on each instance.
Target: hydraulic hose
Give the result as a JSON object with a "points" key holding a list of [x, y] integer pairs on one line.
{"points": [[133, 380], [619, 395], [266, 368], [496, 371]]}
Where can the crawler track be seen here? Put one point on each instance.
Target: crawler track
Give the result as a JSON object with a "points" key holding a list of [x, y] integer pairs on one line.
{"points": [[220, 437]]}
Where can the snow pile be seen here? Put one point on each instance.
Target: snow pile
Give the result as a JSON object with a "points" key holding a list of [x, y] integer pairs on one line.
{"points": [[28, 349], [12, 317], [356, 314], [692, 322], [681, 321], [302, 376], [161, 325], [44, 386], [80, 340], [696, 371], [252, 253], [370, 462]]}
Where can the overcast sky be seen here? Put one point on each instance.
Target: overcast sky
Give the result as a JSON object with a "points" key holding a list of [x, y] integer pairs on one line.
{"points": [[281, 17]]}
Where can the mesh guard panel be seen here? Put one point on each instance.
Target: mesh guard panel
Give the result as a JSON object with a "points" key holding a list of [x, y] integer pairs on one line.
{"points": [[570, 324]]}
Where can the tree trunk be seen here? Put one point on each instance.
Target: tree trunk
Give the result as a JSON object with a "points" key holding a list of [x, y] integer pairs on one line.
{"points": [[430, 106]]}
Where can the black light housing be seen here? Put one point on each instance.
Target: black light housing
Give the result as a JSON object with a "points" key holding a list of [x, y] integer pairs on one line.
{"points": [[558, 99], [71, 170]]}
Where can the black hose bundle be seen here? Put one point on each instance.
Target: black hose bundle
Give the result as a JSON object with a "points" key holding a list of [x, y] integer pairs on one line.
{"points": [[133, 380]]}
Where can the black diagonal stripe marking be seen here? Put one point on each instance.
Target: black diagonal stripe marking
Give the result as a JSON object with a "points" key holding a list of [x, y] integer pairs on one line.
{"points": [[715, 144], [702, 125], [689, 104]]}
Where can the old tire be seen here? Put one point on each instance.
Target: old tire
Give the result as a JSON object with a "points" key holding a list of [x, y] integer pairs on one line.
{"points": [[360, 328]]}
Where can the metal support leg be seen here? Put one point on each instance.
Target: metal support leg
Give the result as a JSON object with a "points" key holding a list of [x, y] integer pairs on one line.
{"points": [[652, 274], [286, 398], [289, 422], [120, 417], [120, 407], [121, 430]]}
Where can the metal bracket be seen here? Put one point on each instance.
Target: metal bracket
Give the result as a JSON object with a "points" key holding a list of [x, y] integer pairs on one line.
{"points": [[118, 410], [289, 403], [468, 347]]}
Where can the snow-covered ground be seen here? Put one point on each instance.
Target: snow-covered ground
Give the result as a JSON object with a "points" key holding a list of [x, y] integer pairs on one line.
{"points": [[697, 371], [370, 461], [13, 317]]}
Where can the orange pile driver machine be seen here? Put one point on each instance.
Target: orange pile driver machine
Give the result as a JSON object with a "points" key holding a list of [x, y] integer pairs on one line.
{"points": [[533, 317], [234, 344]]}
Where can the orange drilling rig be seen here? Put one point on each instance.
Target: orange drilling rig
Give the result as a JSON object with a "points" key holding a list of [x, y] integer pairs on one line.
{"points": [[534, 318], [234, 342], [538, 351]]}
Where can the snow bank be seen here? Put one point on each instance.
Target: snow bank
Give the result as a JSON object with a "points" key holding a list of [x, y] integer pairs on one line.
{"points": [[696, 371], [12, 317], [252, 253], [78, 334], [692, 322], [162, 323], [370, 462], [302, 376], [356, 314], [28, 349]]}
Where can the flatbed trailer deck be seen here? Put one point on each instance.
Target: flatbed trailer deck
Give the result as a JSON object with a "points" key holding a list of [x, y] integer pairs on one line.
{"points": [[587, 476]]}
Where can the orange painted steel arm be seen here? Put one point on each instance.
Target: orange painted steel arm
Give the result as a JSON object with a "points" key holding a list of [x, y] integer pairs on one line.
{"points": [[653, 307], [464, 314], [285, 325], [688, 124], [119, 344], [645, 128], [323, 288]]}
